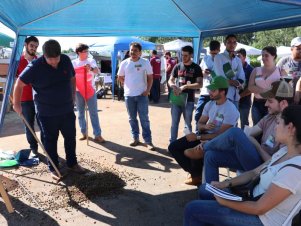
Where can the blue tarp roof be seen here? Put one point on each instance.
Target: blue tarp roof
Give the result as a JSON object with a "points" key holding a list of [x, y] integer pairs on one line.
{"points": [[178, 18]]}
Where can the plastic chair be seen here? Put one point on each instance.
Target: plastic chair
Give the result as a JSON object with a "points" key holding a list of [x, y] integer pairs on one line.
{"points": [[295, 211]]}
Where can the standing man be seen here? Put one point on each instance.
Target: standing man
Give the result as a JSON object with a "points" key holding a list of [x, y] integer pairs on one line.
{"points": [[82, 51], [28, 109], [136, 74], [170, 63], [155, 61], [207, 68], [291, 66], [189, 78], [245, 95], [52, 78], [228, 65]]}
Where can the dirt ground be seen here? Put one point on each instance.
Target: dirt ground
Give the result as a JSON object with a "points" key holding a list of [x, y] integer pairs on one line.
{"points": [[154, 192]]}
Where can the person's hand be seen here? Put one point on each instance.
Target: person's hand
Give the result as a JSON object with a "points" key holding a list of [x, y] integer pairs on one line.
{"points": [[183, 87], [18, 108], [206, 72], [191, 137], [176, 90], [88, 67], [209, 126], [145, 93], [220, 185], [234, 83]]}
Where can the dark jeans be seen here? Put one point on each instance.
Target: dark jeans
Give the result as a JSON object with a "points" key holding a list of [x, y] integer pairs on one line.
{"points": [[199, 109], [51, 126], [259, 110], [177, 148], [244, 110], [28, 111], [155, 90]]}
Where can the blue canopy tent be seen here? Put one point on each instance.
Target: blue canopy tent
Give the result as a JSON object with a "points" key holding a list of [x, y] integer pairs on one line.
{"points": [[170, 18], [119, 44]]}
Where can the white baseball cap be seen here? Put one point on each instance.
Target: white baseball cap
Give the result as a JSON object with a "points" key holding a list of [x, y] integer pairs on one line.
{"points": [[296, 42]]}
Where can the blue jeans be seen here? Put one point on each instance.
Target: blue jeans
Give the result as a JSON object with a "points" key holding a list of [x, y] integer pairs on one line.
{"points": [[155, 90], [210, 213], [134, 105], [176, 112], [199, 109], [259, 110], [244, 111], [28, 111], [51, 126], [231, 149], [92, 106]]}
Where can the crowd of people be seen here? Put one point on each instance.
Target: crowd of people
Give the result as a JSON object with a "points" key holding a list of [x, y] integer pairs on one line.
{"points": [[48, 87]]}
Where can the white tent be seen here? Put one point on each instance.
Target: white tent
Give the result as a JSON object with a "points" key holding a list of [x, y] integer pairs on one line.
{"points": [[176, 45], [283, 51]]}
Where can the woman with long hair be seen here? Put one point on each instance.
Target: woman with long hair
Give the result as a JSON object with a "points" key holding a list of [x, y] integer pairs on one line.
{"points": [[261, 79]]}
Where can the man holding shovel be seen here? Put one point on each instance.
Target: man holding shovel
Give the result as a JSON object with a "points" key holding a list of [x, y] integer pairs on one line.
{"points": [[52, 78]]}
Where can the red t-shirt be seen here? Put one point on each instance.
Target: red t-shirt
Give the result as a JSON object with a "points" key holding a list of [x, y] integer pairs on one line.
{"points": [[27, 90], [172, 63], [156, 65]]}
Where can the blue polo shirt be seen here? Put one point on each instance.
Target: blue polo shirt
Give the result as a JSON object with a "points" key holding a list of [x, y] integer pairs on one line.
{"points": [[52, 86]]}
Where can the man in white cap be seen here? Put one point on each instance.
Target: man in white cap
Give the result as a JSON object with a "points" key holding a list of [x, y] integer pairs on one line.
{"points": [[291, 66]]}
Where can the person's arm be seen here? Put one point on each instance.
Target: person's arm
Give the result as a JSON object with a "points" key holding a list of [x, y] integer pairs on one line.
{"points": [[149, 85], [270, 199], [252, 133], [298, 92], [252, 85], [17, 96], [240, 76], [73, 85], [210, 136], [218, 65], [198, 84]]}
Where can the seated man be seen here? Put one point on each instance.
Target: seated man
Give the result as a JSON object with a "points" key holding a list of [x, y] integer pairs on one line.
{"points": [[218, 115], [235, 149]]}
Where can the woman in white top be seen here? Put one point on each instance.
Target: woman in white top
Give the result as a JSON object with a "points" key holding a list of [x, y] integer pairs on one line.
{"points": [[261, 79], [280, 185]]}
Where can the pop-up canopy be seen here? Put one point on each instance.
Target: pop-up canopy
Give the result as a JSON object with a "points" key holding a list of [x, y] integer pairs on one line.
{"points": [[173, 18]]}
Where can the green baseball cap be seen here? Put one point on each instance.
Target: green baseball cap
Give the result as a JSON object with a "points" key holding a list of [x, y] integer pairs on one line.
{"points": [[218, 82]]}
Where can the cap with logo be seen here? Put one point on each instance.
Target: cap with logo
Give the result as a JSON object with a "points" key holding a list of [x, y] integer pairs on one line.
{"points": [[296, 41], [218, 82], [280, 89]]}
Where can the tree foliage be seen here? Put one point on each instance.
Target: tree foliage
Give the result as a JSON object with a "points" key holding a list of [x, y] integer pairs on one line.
{"points": [[278, 37]]}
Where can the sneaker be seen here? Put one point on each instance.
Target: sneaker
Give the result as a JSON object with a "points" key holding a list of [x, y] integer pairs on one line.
{"points": [[150, 146], [99, 139], [83, 137], [195, 181], [77, 169], [134, 142]]}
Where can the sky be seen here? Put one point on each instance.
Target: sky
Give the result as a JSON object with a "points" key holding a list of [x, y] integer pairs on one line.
{"points": [[65, 42]]}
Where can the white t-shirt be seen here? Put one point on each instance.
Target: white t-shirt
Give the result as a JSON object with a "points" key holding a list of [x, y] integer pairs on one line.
{"points": [[79, 63], [219, 62], [288, 178], [135, 76], [207, 63], [225, 113]]}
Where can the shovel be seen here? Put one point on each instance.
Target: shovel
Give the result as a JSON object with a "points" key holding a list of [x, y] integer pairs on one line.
{"points": [[42, 146]]}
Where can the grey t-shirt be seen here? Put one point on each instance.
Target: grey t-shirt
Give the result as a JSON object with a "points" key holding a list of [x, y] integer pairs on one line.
{"points": [[225, 113]]}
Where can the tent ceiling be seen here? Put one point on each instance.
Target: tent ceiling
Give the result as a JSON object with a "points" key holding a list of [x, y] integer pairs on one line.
{"points": [[145, 17]]}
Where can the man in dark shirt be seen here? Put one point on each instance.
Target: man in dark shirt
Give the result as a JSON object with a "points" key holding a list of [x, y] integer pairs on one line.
{"points": [[245, 94], [52, 78], [186, 77]]}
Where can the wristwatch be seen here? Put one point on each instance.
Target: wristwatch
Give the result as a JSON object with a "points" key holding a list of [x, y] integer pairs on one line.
{"points": [[198, 137]]}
